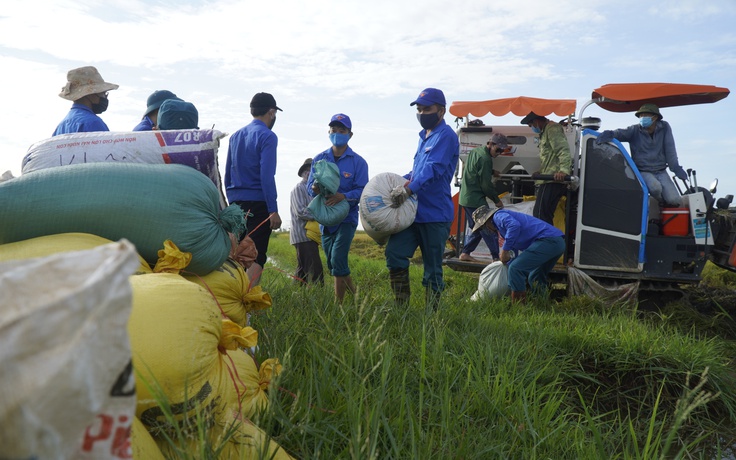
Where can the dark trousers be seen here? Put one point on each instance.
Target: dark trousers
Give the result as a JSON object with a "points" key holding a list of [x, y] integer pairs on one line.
{"points": [[261, 235], [308, 263], [548, 196]]}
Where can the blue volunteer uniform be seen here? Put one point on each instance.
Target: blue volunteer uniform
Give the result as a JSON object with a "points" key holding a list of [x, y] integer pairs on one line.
{"points": [[146, 124], [542, 245], [80, 119]]}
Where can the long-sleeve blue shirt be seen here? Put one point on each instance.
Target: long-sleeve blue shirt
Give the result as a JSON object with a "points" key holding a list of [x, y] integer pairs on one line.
{"points": [[250, 169], [80, 119], [651, 152], [520, 230], [353, 177], [431, 175], [146, 124]]}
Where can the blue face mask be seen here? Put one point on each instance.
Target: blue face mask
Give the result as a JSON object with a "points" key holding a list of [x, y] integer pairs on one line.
{"points": [[428, 120], [645, 122], [536, 130], [339, 139]]}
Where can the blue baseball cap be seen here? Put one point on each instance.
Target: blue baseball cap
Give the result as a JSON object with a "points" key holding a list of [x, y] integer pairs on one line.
{"points": [[157, 98], [430, 96], [342, 119], [177, 114]]}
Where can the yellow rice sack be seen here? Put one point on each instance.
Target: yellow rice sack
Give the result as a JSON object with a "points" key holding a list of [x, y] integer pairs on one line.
{"points": [[52, 244], [231, 287], [143, 445]]}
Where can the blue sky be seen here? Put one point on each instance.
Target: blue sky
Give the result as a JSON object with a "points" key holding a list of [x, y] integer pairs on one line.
{"points": [[368, 60]]}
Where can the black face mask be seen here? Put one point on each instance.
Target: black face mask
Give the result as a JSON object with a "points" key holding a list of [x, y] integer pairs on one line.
{"points": [[428, 120], [101, 106]]}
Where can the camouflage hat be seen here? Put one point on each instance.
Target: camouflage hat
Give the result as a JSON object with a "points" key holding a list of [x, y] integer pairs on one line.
{"points": [[648, 108], [481, 216]]}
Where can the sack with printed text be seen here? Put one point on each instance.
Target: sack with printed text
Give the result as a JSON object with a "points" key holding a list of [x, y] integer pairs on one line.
{"points": [[377, 215]]}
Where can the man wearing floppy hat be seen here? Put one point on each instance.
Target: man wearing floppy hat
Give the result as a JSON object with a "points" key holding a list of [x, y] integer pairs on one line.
{"points": [[308, 263], [554, 153], [250, 176], [476, 186], [336, 239], [541, 244], [177, 114], [86, 88], [653, 151], [434, 164], [150, 118]]}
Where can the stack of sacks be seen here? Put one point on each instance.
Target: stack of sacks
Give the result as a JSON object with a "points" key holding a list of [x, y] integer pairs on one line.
{"points": [[194, 148], [146, 204], [188, 362]]}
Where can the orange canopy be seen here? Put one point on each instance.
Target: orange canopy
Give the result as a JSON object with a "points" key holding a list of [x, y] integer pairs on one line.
{"points": [[628, 97], [520, 106]]}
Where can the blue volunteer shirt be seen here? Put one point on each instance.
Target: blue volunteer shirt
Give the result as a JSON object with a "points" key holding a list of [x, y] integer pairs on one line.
{"points": [[431, 175], [353, 177], [80, 119], [520, 230], [146, 124], [250, 169]]}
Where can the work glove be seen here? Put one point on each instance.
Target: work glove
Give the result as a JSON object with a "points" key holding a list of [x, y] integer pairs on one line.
{"points": [[604, 137], [398, 196], [681, 174]]}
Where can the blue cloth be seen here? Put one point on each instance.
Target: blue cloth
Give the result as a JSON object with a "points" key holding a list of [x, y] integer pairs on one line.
{"points": [[353, 177], [535, 263], [472, 239], [430, 238], [146, 124], [250, 169], [80, 119], [651, 152], [661, 188], [431, 175], [520, 230], [337, 245]]}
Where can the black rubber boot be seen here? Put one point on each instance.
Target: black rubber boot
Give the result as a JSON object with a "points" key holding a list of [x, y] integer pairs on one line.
{"points": [[399, 279]]}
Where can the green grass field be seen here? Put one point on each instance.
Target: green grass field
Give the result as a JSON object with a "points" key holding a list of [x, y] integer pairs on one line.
{"points": [[570, 379]]}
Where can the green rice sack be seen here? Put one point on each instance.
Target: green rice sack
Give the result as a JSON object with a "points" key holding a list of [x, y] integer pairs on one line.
{"points": [[146, 204]]}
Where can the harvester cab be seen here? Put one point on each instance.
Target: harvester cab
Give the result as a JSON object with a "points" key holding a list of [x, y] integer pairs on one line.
{"points": [[615, 232]]}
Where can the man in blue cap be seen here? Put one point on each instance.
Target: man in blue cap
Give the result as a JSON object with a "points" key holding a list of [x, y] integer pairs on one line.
{"points": [[434, 164], [336, 240], [153, 104], [250, 176]]}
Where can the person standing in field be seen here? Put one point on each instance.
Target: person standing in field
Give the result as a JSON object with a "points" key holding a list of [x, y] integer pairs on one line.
{"points": [[541, 244], [308, 263], [150, 118], [554, 153], [477, 185], [86, 88], [336, 240], [434, 164], [250, 176]]}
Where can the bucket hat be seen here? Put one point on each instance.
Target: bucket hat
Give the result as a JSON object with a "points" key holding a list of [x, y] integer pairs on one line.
{"points": [[481, 216], [157, 98], [307, 164], [648, 108], [177, 114], [83, 82]]}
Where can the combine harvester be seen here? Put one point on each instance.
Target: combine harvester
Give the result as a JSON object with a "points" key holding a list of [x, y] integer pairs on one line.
{"points": [[616, 234]]}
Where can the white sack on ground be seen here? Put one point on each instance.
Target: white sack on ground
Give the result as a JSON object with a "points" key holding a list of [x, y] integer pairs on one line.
{"points": [[378, 218], [493, 282], [67, 388]]}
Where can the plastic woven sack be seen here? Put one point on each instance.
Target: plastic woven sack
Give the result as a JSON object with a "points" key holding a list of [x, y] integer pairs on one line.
{"points": [[327, 175], [379, 219], [328, 215], [493, 282], [67, 382], [146, 204]]}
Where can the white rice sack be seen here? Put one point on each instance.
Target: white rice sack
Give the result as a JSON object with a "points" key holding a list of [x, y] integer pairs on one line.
{"points": [[67, 388], [378, 218], [196, 148], [493, 282]]}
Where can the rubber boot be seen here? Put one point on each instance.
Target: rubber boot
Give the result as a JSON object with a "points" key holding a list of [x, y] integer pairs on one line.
{"points": [[518, 297], [432, 300], [399, 279]]}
